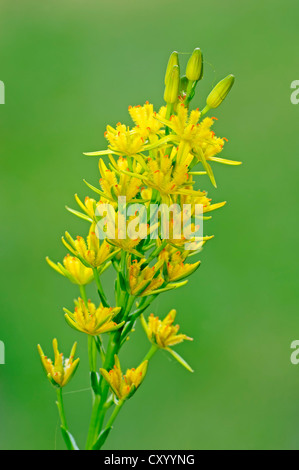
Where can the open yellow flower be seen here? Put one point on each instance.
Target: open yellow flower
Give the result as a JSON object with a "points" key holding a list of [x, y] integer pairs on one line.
{"points": [[124, 141], [162, 332], [124, 386], [196, 137], [175, 264], [143, 280], [145, 119], [116, 183], [62, 370], [94, 253], [73, 269], [92, 320]]}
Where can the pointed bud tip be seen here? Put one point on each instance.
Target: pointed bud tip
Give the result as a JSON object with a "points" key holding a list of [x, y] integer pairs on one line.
{"points": [[194, 70]]}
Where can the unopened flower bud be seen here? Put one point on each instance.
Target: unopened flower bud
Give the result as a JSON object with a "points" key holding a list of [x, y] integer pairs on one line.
{"points": [[172, 86], [220, 92], [183, 84], [173, 60], [194, 70]]}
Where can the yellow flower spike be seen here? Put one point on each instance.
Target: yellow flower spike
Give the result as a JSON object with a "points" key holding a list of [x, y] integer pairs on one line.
{"points": [[124, 386], [91, 320], [144, 279], [220, 92], [172, 85], [173, 60], [94, 253], [194, 70], [62, 370], [73, 269]]}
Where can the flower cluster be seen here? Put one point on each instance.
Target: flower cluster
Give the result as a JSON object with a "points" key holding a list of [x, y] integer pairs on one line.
{"points": [[161, 161]]}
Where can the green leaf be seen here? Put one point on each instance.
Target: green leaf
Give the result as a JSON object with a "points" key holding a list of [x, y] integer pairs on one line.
{"points": [[78, 214], [94, 380], [101, 439], [68, 439], [99, 153], [178, 358], [98, 191], [167, 288]]}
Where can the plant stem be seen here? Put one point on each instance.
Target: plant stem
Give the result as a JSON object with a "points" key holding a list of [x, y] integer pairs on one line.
{"points": [[100, 288], [151, 352], [115, 413], [93, 421], [60, 407], [83, 294], [99, 410], [92, 353]]}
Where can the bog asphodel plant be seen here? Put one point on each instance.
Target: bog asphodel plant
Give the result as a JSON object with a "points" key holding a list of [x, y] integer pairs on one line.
{"points": [[161, 161]]}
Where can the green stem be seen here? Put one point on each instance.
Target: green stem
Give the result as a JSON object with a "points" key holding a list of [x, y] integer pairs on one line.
{"points": [[188, 92], [83, 294], [129, 305], [142, 307], [60, 407], [92, 353], [99, 409], [151, 352], [115, 413], [157, 251], [205, 110], [100, 288], [93, 422]]}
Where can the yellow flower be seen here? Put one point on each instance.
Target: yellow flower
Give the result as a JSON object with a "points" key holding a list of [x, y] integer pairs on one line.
{"points": [[61, 372], [143, 280], [124, 141], [94, 253], [145, 119], [202, 199], [129, 232], [185, 127], [175, 264], [162, 332], [195, 137], [89, 206], [73, 269], [166, 177], [115, 185], [92, 320], [124, 386]]}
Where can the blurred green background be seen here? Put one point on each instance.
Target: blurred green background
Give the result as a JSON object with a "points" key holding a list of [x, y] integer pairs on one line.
{"points": [[70, 67]]}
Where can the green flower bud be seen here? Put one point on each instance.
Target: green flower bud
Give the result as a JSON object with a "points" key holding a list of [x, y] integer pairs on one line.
{"points": [[173, 60], [183, 84], [220, 92], [194, 70], [172, 86]]}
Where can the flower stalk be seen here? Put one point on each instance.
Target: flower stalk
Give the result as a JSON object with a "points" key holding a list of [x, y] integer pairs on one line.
{"points": [[161, 162]]}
